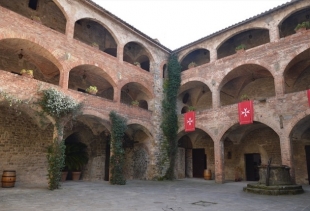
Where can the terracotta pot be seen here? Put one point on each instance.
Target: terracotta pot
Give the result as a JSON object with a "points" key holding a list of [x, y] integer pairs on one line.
{"points": [[27, 75], [64, 175], [92, 92], [76, 175]]}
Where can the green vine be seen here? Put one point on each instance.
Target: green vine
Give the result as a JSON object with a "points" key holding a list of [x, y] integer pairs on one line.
{"points": [[118, 128], [61, 108], [170, 119], [55, 159]]}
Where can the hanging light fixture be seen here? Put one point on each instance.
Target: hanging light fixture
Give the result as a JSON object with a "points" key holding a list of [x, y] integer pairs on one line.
{"points": [[20, 55]]}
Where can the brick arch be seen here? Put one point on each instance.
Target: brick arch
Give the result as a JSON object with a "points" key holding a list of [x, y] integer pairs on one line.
{"points": [[263, 64], [236, 33], [200, 126], [111, 78], [148, 127], [143, 83], [292, 56], [234, 122], [291, 125], [102, 116], [287, 15], [61, 8], [190, 51], [55, 55], [149, 54], [101, 23], [200, 79]]}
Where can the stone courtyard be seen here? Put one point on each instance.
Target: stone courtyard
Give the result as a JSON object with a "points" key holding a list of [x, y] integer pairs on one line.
{"points": [[179, 195]]}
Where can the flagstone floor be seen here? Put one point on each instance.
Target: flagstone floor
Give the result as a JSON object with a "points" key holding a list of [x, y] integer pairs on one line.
{"points": [[180, 195]]}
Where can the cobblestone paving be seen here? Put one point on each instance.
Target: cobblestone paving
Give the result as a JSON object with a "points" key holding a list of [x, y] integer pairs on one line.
{"points": [[180, 195]]}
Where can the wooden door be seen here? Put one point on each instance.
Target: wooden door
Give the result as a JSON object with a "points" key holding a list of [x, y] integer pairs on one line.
{"points": [[199, 162]]}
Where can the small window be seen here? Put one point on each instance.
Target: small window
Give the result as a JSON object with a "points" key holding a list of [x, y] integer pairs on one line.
{"points": [[33, 4]]}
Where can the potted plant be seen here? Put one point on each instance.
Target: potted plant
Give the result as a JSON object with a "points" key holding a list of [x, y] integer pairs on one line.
{"points": [[135, 103], [191, 65], [92, 90], [244, 97], [137, 64], [191, 108], [27, 73], [76, 158], [95, 45], [240, 48], [302, 26], [36, 18]]}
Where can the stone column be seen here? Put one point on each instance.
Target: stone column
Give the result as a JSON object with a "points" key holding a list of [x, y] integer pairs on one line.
{"points": [[70, 29], [120, 53], [116, 95], [279, 85], [287, 154], [274, 33], [216, 101], [213, 54], [219, 161], [64, 79]]}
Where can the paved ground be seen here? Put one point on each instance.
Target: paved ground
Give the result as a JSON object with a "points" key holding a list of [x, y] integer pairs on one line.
{"points": [[180, 195]]}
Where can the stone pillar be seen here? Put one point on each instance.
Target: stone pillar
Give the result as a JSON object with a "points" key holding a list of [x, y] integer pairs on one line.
{"points": [[287, 154], [219, 161], [116, 95], [189, 163], [274, 33], [279, 85], [64, 79], [213, 54], [216, 101], [70, 29], [120, 53], [157, 153]]}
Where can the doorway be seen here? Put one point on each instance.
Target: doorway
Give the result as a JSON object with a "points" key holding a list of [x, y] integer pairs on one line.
{"points": [[252, 161], [307, 148], [199, 162]]}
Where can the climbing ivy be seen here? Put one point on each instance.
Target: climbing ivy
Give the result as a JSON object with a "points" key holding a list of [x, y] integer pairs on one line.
{"points": [[169, 124], [55, 159], [61, 108], [118, 128]]}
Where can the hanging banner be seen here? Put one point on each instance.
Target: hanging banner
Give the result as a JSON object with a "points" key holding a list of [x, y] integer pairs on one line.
{"points": [[189, 121], [308, 93], [246, 112]]}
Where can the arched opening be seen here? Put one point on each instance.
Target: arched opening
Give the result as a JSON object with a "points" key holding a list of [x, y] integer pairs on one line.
{"points": [[135, 94], [195, 58], [18, 54], [45, 12], [135, 54], [84, 76], [137, 142], [195, 154], [24, 139], [165, 71], [196, 94], [297, 73], [249, 39], [253, 80], [92, 132], [300, 141], [248, 146], [94, 34], [288, 25]]}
